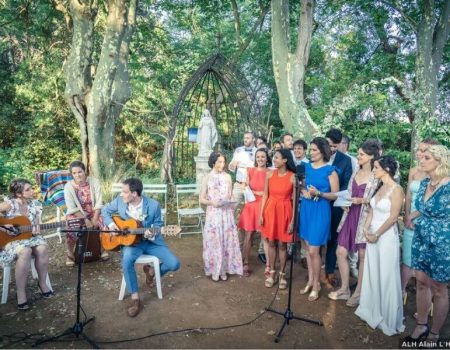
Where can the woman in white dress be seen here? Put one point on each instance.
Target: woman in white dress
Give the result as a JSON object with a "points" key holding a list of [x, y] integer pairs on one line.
{"points": [[381, 303]]}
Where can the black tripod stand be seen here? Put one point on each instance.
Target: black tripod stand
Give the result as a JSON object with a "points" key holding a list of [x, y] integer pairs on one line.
{"points": [[77, 328], [288, 314]]}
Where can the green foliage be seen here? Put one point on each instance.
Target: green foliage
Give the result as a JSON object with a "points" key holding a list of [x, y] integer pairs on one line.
{"points": [[360, 77]]}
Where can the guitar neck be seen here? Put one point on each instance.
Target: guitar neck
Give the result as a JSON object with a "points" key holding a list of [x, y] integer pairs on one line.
{"points": [[142, 230], [42, 226]]}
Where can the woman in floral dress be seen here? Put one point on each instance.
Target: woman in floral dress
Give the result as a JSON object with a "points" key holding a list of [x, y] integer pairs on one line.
{"points": [[221, 250], [431, 243], [21, 203]]}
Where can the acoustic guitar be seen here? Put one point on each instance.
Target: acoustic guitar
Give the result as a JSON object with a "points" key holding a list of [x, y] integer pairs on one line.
{"points": [[132, 231], [23, 229]]}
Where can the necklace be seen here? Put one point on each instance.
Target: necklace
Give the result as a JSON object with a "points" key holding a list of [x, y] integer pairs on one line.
{"points": [[433, 186]]}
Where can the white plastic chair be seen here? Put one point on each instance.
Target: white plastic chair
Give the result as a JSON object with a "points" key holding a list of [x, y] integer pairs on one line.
{"points": [[145, 259], [189, 190], [158, 189], [7, 279], [151, 190]]}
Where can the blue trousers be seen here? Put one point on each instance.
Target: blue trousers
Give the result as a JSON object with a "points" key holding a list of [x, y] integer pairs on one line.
{"points": [[158, 248]]}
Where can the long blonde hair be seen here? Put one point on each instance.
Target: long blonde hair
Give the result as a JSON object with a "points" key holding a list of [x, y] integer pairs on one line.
{"points": [[442, 155]]}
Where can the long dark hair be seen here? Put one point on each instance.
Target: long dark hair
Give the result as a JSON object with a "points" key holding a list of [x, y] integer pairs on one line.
{"points": [[371, 147], [388, 164], [323, 146], [287, 154]]}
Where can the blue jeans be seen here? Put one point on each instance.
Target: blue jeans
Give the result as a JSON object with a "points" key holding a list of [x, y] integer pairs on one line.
{"points": [[158, 248]]}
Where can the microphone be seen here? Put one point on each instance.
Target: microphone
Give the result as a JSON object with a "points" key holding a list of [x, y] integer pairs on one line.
{"points": [[300, 171]]}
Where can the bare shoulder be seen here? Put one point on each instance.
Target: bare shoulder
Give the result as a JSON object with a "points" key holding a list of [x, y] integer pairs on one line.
{"points": [[398, 191]]}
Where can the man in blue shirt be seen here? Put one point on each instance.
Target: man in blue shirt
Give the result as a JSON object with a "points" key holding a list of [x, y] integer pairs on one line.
{"points": [[131, 204]]}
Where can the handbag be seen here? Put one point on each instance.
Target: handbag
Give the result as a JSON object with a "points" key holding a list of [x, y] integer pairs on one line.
{"points": [[249, 195]]}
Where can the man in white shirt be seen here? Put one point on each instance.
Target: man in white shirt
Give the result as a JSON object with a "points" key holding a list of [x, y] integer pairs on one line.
{"points": [[243, 158], [300, 148]]}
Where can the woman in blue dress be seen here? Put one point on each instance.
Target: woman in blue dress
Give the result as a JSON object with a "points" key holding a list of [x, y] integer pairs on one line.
{"points": [[431, 243], [321, 182]]}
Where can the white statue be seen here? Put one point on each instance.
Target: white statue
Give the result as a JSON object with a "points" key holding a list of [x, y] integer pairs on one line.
{"points": [[207, 134]]}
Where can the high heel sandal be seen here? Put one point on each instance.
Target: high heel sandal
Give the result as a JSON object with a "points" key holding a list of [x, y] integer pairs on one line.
{"points": [[246, 270], [434, 340], [283, 283], [271, 280], [421, 336], [70, 262], [314, 295], [306, 290], [47, 295], [24, 306]]}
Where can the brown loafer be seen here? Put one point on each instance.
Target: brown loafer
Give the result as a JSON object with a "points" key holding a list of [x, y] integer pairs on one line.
{"points": [[149, 275], [134, 308]]}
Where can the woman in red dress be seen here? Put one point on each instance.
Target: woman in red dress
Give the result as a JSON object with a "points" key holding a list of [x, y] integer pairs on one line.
{"points": [[276, 215], [249, 219]]}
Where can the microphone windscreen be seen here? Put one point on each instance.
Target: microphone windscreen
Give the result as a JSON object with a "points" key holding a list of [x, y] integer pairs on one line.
{"points": [[300, 169]]}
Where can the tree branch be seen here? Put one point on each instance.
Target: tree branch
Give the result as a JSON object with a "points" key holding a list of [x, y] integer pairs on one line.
{"points": [[305, 28], [243, 46], [397, 9], [237, 22]]}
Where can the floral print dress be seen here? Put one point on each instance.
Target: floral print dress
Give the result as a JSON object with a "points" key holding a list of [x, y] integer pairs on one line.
{"points": [[221, 250], [431, 240], [34, 213]]}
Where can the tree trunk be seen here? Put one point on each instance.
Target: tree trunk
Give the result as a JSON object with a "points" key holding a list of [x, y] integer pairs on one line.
{"points": [[431, 40], [290, 68], [97, 103], [77, 68]]}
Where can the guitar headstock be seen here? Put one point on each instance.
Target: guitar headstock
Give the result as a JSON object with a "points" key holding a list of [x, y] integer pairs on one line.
{"points": [[171, 230], [75, 223]]}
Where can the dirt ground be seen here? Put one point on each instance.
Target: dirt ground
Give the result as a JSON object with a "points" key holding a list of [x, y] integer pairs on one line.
{"points": [[190, 300]]}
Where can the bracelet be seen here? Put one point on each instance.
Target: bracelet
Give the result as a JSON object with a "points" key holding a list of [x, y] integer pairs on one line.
{"points": [[319, 194]]}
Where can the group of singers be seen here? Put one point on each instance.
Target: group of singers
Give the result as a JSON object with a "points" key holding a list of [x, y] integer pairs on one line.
{"points": [[366, 228], [265, 183]]}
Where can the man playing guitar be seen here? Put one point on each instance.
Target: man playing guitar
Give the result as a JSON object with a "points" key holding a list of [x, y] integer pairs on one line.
{"points": [[131, 204]]}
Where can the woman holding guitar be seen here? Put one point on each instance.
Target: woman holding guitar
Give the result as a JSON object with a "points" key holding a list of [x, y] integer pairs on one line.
{"points": [[21, 203], [83, 198]]}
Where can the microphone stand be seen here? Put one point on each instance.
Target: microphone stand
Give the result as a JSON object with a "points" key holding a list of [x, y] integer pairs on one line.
{"points": [[77, 328], [288, 314]]}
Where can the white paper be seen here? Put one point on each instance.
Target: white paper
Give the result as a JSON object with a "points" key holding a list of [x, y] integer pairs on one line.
{"points": [[343, 199], [249, 195]]}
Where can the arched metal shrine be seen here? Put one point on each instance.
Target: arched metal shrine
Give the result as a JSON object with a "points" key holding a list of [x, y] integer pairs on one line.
{"points": [[225, 92]]}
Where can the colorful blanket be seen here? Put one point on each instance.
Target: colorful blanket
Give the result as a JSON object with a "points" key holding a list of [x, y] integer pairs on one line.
{"points": [[52, 186]]}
